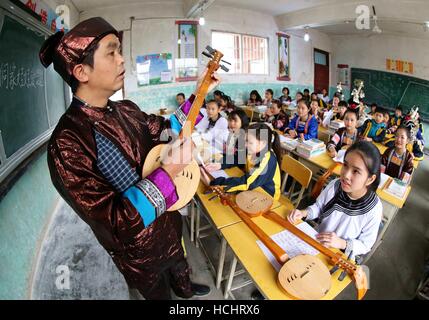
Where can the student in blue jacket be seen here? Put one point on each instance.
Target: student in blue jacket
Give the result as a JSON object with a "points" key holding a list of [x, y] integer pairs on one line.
{"points": [[304, 125]]}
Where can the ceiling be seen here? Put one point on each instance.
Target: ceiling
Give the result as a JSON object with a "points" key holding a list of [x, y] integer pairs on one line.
{"points": [[388, 23]]}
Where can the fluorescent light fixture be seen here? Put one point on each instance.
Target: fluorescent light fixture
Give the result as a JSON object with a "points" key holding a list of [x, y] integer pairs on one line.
{"points": [[202, 21]]}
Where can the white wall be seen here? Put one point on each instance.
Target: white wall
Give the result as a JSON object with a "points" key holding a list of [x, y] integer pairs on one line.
{"points": [[371, 52], [161, 36]]}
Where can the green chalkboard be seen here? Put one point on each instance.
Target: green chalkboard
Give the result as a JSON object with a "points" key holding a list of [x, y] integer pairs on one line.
{"points": [[389, 90], [31, 97]]}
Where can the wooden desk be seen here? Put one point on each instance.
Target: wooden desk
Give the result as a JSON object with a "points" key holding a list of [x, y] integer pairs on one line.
{"points": [[243, 243], [219, 217]]}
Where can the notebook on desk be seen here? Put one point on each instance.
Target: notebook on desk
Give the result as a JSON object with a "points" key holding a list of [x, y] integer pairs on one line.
{"points": [[396, 188]]}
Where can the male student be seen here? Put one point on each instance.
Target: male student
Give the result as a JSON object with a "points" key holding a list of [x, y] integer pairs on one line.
{"points": [[95, 157]]}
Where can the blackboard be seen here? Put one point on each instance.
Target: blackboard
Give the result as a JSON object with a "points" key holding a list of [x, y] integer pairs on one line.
{"points": [[389, 90], [31, 97]]}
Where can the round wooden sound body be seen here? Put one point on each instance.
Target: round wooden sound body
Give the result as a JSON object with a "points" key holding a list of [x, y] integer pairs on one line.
{"points": [[305, 277], [253, 202], [186, 181]]}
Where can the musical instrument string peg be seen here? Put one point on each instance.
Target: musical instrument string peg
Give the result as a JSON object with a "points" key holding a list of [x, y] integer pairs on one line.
{"points": [[344, 273]]}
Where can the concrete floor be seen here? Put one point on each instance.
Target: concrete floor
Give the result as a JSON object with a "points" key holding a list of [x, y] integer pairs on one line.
{"points": [[396, 267]]}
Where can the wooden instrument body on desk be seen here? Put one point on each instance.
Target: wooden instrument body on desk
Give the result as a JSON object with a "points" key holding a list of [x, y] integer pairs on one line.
{"points": [[356, 272], [302, 277], [188, 179]]}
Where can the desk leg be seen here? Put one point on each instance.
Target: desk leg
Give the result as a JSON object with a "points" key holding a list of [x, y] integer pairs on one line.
{"points": [[230, 277], [197, 227], [192, 213], [221, 262]]}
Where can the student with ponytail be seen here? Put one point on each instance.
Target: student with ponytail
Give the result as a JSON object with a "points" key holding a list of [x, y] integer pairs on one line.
{"points": [[262, 165]]}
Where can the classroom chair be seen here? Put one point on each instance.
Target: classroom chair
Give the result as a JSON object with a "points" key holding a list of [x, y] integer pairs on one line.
{"points": [[299, 173], [249, 112]]}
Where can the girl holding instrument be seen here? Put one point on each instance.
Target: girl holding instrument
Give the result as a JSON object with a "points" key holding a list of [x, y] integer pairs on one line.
{"points": [[348, 210], [262, 167]]}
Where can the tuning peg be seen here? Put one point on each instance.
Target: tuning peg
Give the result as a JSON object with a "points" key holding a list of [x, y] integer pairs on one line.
{"points": [[214, 197], [224, 68], [208, 55], [210, 49], [225, 62]]}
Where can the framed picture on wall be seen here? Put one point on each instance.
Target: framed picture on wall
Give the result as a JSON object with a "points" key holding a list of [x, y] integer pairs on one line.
{"points": [[186, 64], [284, 60]]}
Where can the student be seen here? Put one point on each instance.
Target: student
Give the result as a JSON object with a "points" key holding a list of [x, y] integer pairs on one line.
{"points": [[374, 129], [213, 126], [262, 165], [314, 106], [348, 209], [298, 96], [325, 96], [334, 103], [268, 97], [344, 137], [285, 99], [254, 99], [336, 113], [95, 155], [395, 120], [217, 94], [226, 104], [278, 118], [386, 118], [306, 95], [180, 98], [234, 150], [303, 125], [373, 108], [397, 161]]}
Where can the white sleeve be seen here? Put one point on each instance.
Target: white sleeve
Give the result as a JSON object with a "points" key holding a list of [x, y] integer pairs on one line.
{"points": [[364, 242], [327, 118], [327, 194]]}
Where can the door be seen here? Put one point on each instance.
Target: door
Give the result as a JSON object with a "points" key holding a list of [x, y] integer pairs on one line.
{"points": [[321, 70]]}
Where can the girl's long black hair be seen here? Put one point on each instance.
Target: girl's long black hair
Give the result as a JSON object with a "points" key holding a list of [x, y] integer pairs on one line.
{"points": [[263, 132]]}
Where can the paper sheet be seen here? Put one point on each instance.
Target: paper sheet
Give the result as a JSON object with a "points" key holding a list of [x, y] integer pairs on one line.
{"points": [[290, 243], [340, 156], [219, 173]]}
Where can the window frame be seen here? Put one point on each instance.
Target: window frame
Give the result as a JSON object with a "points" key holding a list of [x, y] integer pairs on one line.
{"points": [[242, 49]]}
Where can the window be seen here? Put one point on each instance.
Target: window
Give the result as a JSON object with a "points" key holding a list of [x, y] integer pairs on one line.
{"points": [[247, 54]]}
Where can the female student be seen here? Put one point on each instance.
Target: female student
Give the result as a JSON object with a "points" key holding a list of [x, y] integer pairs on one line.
{"points": [[348, 209], [303, 125], [226, 104], [374, 129], [345, 136], [395, 120], [254, 99], [314, 106], [278, 118], [298, 96], [397, 161], [324, 96], [268, 97], [285, 99], [336, 113], [262, 165], [234, 150], [212, 126], [217, 94]]}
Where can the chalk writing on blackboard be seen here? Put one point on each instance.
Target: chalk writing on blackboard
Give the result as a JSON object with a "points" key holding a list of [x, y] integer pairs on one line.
{"points": [[12, 76]]}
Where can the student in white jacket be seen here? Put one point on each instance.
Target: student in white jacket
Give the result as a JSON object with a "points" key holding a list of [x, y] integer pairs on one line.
{"points": [[213, 127], [348, 210]]}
